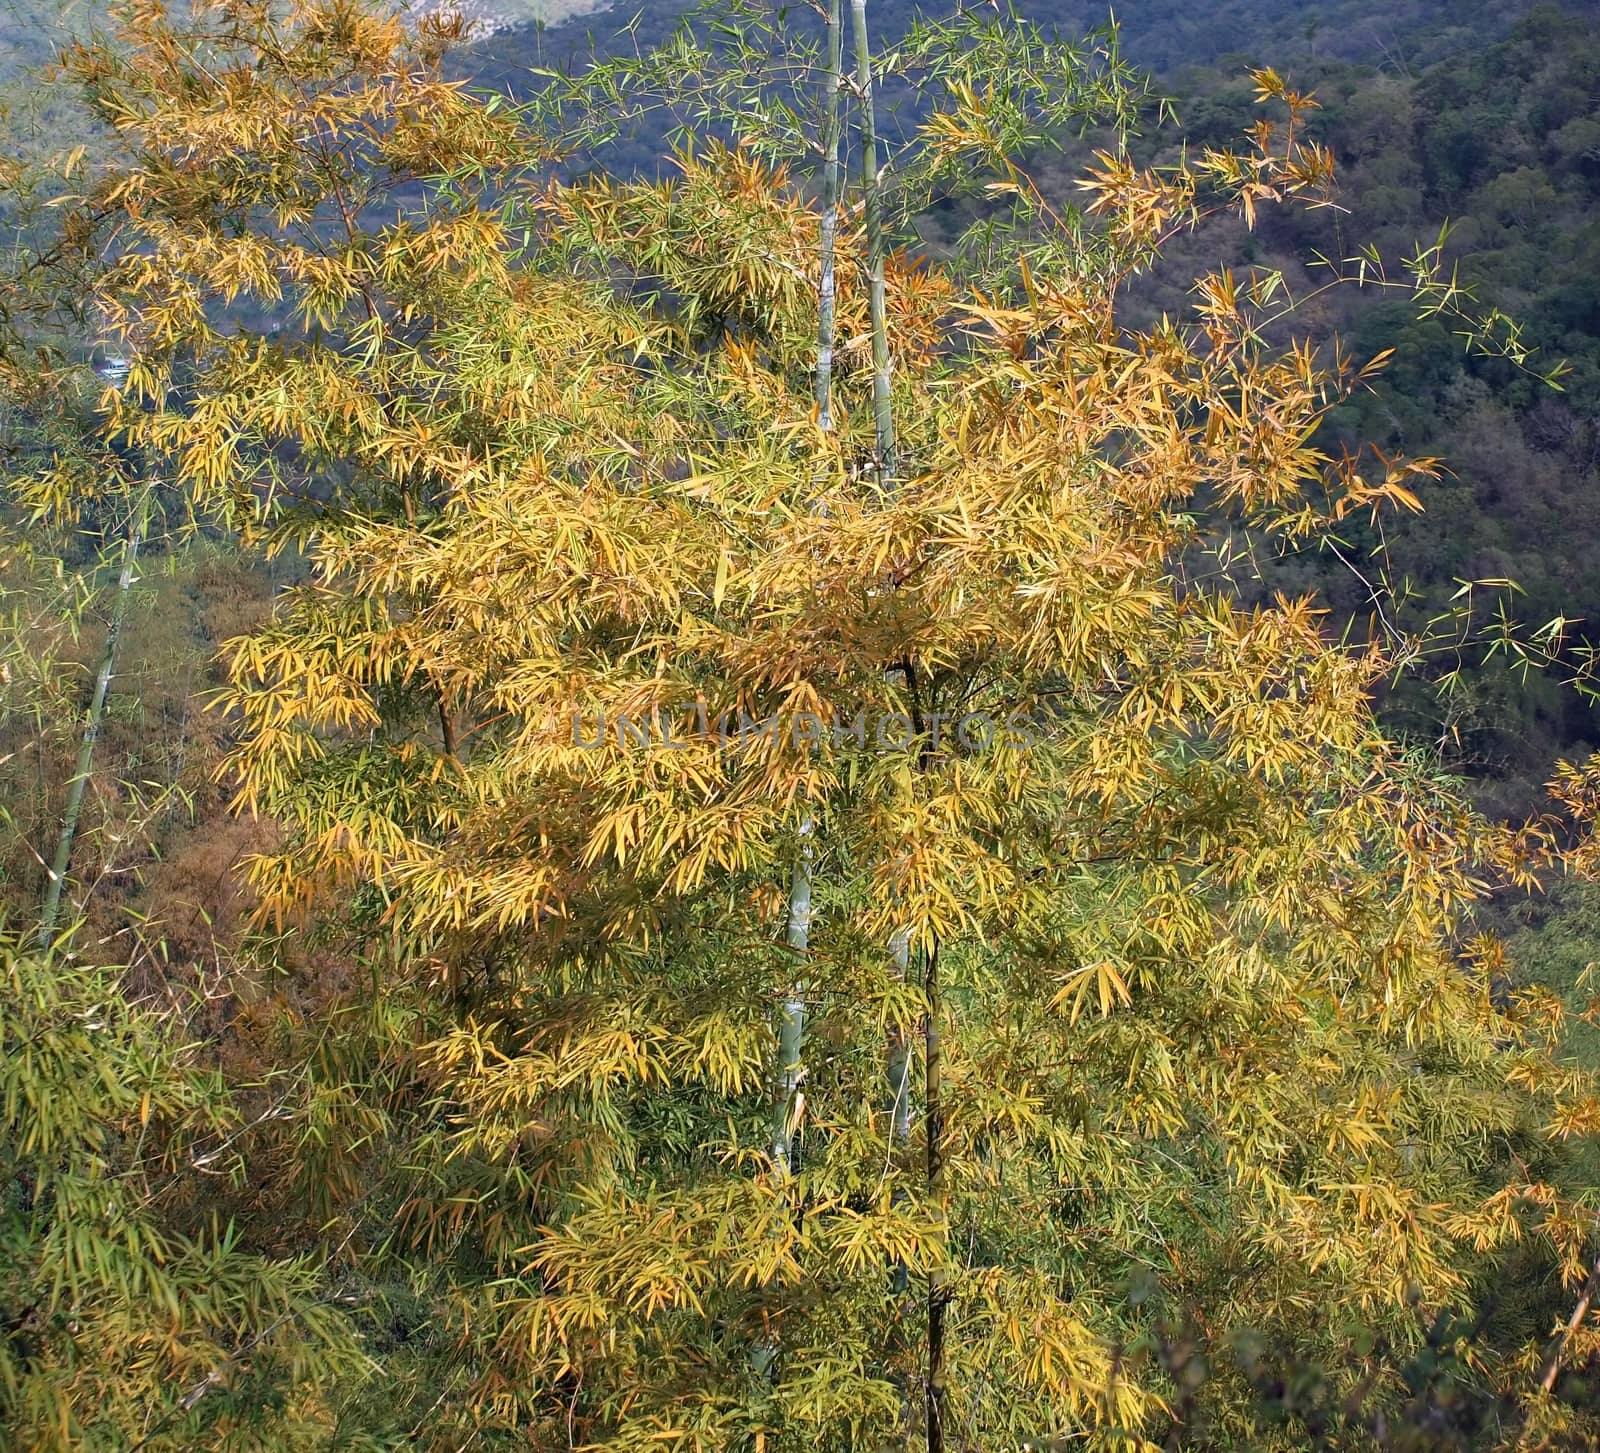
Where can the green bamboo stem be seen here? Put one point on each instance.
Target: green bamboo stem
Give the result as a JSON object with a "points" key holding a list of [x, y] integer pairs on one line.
{"points": [[792, 1011], [50, 908], [898, 1055], [899, 1064], [898, 1067], [933, 1112], [877, 250], [791, 1014], [827, 288], [897, 1076]]}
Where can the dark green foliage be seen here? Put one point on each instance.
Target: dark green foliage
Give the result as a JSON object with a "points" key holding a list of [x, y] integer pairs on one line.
{"points": [[1503, 144]]}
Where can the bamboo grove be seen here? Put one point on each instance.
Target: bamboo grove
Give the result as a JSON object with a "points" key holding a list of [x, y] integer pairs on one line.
{"points": [[842, 919]]}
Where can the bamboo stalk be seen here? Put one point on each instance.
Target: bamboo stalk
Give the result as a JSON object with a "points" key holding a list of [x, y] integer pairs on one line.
{"points": [[897, 1077], [899, 1058], [933, 1112], [447, 723], [877, 251], [832, 137], [791, 1014], [897, 1051], [50, 908], [898, 1073]]}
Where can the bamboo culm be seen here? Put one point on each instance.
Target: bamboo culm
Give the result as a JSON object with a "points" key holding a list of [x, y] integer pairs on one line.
{"points": [[50, 908], [791, 1015], [877, 251], [898, 1066], [827, 286], [933, 1113], [898, 1078], [792, 1012]]}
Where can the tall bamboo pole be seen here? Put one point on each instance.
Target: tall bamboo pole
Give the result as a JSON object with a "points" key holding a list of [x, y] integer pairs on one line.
{"points": [[832, 139], [898, 1062], [792, 1012], [877, 251], [933, 1114], [898, 1057], [50, 908]]}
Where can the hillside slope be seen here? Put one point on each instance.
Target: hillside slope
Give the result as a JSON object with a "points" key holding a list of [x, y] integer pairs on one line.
{"points": [[1161, 35]]}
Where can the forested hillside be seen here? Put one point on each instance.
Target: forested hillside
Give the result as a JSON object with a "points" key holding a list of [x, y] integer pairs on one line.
{"points": [[1161, 35], [744, 802], [1503, 144]]}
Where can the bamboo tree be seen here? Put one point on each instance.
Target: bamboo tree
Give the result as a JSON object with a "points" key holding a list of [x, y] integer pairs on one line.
{"points": [[61, 860], [1215, 904]]}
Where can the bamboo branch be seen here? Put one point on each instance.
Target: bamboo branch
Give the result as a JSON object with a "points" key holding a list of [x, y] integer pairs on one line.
{"points": [[447, 724], [1552, 1364]]}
